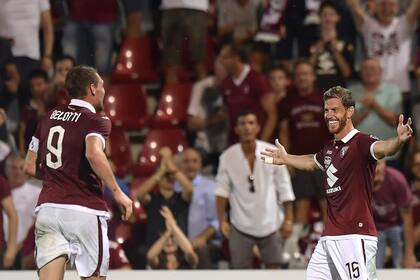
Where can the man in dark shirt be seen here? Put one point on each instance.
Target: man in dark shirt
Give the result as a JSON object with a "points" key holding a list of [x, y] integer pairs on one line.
{"points": [[347, 248], [69, 145]]}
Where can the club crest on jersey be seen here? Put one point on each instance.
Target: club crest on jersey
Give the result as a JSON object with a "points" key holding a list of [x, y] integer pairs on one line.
{"points": [[327, 161], [343, 151]]}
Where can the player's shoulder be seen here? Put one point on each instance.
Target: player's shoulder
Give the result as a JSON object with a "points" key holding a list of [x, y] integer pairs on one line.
{"points": [[360, 136], [230, 151]]}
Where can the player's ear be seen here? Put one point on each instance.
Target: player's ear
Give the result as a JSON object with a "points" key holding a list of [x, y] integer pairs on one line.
{"points": [[350, 112], [92, 89]]}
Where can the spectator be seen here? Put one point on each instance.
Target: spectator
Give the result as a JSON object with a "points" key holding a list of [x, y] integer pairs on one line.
{"points": [[414, 169], [272, 28], [202, 216], [88, 33], [133, 10], [20, 22], [117, 257], [180, 20], [33, 112], [7, 250], [279, 82], [9, 75], [207, 117], [302, 116], [378, 103], [237, 19], [253, 190], [24, 194], [172, 250], [388, 38], [331, 54], [392, 210], [57, 94], [246, 89], [165, 177]]}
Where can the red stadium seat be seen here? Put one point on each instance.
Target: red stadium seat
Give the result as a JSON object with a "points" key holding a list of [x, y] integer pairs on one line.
{"points": [[173, 105], [126, 106], [173, 138], [121, 154], [135, 61]]}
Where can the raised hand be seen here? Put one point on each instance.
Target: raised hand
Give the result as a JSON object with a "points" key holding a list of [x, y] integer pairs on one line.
{"points": [[404, 131], [274, 156]]}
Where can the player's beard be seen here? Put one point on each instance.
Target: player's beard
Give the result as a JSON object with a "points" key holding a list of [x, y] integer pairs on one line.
{"points": [[341, 124]]}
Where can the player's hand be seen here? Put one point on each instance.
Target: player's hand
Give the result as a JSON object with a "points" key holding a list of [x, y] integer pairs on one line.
{"points": [[404, 131], [286, 229], [126, 204], [274, 156], [9, 257], [225, 229]]}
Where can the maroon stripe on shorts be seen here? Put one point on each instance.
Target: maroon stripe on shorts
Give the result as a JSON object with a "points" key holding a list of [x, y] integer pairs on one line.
{"points": [[100, 249], [364, 252]]}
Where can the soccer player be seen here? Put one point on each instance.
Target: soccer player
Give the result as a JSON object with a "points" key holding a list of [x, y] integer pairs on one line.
{"points": [[348, 246], [67, 153]]}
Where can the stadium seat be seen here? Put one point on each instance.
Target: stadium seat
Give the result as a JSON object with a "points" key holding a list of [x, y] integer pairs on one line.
{"points": [[121, 154], [126, 106], [172, 107], [149, 157], [135, 61]]}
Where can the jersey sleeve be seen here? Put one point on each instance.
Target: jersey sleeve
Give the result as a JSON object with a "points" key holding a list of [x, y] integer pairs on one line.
{"points": [[99, 126], [366, 144], [34, 144]]}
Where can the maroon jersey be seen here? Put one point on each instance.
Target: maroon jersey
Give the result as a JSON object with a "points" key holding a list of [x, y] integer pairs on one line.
{"points": [[4, 193], [242, 94], [305, 115], [350, 169], [66, 173], [117, 257], [393, 195]]}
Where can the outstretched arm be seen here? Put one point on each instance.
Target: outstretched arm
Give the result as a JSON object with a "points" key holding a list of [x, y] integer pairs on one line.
{"points": [[391, 146], [357, 12], [279, 156]]}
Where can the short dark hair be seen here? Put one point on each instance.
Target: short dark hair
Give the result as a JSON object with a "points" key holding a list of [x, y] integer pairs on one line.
{"points": [[38, 73], [341, 93], [67, 57], [236, 50], [246, 112], [79, 78], [301, 61], [279, 67], [329, 4]]}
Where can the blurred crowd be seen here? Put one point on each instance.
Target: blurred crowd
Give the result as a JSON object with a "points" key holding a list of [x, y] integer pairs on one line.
{"points": [[195, 90]]}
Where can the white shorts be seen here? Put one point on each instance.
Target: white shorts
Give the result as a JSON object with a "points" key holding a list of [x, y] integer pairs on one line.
{"points": [[81, 237], [348, 257]]}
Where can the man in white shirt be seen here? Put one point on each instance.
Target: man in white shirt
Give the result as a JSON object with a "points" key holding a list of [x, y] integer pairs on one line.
{"points": [[24, 194], [254, 191], [388, 37]]}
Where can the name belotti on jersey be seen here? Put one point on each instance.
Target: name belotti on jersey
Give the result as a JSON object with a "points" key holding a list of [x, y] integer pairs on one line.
{"points": [[65, 116]]}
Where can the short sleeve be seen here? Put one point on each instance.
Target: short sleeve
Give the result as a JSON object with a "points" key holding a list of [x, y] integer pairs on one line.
{"points": [[366, 144], [4, 188], [283, 184], [44, 5], [222, 179], [99, 126], [34, 144]]}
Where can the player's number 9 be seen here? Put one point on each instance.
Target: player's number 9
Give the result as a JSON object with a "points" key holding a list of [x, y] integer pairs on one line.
{"points": [[56, 151]]}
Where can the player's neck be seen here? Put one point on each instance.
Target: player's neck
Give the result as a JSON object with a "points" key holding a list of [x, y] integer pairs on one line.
{"points": [[249, 147], [346, 130]]}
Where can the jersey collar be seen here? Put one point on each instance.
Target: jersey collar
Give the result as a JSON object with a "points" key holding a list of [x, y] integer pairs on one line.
{"points": [[82, 103], [349, 135]]}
